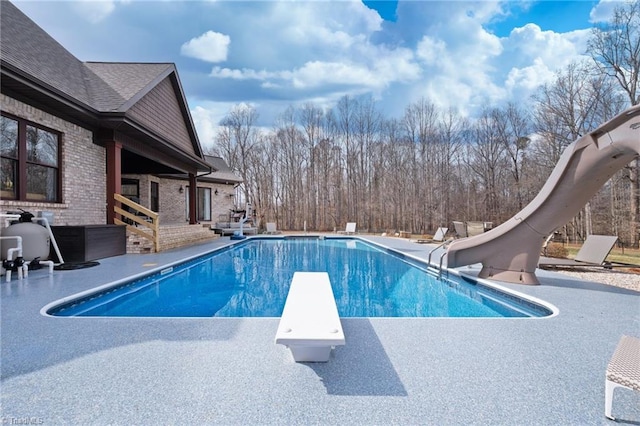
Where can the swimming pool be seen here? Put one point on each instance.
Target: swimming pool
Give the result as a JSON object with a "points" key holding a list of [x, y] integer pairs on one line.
{"points": [[252, 278]]}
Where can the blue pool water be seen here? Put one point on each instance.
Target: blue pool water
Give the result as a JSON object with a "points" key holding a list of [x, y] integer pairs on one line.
{"points": [[252, 278]]}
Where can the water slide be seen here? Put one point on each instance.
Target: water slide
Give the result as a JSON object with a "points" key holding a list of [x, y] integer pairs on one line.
{"points": [[510, 252]]}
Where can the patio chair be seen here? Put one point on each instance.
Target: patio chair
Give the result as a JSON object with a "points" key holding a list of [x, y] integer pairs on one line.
{"points": [[349, 229], [623, 370], [593, 252], [437, 238], [272, 228]]}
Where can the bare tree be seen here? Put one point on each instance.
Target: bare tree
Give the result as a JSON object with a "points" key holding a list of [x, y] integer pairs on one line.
{"points": [[420, 121], [447, 157], [487, 161], [236, 139], [615, 48], [311, 118], [514, 128], [574, 104], [399, 157], [344, 117], [293, 160], [367, 122]]}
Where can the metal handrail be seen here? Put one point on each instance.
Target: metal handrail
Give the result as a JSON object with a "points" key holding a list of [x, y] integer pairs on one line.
{"points": [[437, 247], [440, 266], [444, 244]]}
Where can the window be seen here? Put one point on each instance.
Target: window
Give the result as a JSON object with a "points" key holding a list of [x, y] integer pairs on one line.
{"points": [[130, 188], [155, 197], [29, 156]]}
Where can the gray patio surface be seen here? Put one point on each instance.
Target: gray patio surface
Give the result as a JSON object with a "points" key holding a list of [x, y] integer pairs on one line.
{"points": [[441, 371]]}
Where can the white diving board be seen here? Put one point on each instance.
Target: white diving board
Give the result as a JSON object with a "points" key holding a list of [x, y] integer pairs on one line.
{"points": [[310, 325]]}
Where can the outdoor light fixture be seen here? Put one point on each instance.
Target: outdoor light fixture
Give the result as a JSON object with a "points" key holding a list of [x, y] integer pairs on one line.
{"points": [[216, 192], [181, 190]]}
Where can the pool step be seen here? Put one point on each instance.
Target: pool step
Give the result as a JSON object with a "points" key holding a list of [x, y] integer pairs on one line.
{"points": [[171, 236]]}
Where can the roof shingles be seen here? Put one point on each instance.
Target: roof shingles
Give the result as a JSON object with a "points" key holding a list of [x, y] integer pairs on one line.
{"points": [[102, 86]]}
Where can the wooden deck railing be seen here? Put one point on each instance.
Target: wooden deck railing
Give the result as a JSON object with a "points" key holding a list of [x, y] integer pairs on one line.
{"points": [[140, 216]]}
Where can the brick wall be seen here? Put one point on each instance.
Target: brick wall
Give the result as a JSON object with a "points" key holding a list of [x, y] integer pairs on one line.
{"points": [[173, 204], [82, 168], [223, 202]]}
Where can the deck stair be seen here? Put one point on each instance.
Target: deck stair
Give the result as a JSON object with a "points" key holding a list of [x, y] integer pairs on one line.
{"points": [[170, 236]]}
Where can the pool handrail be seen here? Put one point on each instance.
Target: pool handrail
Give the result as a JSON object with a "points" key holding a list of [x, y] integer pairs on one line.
{"points": [[445, 243]]}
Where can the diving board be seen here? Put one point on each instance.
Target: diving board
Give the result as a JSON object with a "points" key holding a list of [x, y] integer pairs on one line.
{"points": [[310, 325]]}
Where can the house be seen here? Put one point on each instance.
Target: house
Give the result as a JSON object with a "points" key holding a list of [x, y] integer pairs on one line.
{"points": [[76, 133], [215, 195]]}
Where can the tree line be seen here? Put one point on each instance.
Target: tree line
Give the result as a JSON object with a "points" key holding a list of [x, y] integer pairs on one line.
{"points": [[320, 168]]}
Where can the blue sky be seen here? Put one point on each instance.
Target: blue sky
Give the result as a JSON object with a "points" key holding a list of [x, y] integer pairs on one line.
{"points": [[274, 54]]}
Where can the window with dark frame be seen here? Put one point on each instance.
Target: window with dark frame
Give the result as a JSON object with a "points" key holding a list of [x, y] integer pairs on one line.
{"points": [[155, 197], [130, 188], [29, 161]]}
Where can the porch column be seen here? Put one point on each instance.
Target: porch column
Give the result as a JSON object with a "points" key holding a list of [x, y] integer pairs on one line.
{"points": [[114, 176], [193, 193]]}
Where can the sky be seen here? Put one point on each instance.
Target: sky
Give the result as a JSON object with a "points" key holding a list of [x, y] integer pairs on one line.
{"points": [[269, 54]]}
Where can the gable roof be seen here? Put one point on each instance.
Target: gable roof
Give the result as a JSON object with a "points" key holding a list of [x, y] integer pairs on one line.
{"points": [[221, 171], [36, 68], [129, 80]]}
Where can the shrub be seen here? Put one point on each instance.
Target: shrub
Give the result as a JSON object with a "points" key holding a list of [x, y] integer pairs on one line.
{"points": [[556, 250]]}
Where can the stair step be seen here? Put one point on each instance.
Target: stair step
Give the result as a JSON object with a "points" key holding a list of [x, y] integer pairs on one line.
{"points": [[171, 236]]}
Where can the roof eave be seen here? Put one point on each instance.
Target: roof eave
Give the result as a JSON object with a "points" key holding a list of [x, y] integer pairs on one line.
{"points": [[15, 80], [119, 121]]}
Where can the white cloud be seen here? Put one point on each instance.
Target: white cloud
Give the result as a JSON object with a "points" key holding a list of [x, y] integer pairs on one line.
{"points": [[531, 42], [458, 57], [244, 74], [532, 57], [431, 50], [210, 47], [603, 11], [443, 51], [314, 74], [291, 52], [94, 11], [529, 78], [206, 117], [318, 73]]}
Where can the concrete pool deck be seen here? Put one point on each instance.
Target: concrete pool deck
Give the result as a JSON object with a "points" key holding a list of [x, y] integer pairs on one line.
{"points": [[441, 371]]}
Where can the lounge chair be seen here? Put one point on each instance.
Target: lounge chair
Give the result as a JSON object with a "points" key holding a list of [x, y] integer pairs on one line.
{"points": [[593, 252], [272, 228], [437, 238], [470, 228], [349, 229], [623, 370], [475, 228], [460, 229]]}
